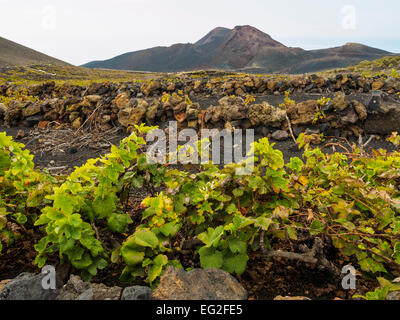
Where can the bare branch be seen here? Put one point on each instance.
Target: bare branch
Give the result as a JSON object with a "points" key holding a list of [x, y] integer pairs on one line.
{"points": [[314, 256]]}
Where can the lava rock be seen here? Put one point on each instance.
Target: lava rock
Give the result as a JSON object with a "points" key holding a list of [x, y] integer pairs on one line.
{"points": [[393, 296], [76, 289], [383, 114], [265, 115], [33, 120], [28, 286], [280, 135], [198, 284], [136, 293]]}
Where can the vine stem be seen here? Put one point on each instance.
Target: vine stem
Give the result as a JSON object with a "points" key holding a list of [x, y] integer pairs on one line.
{"points": [[314, 256], [290, 128]]}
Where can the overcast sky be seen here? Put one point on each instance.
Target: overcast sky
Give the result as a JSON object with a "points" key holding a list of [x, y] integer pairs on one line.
{"points": [[79, 31]]}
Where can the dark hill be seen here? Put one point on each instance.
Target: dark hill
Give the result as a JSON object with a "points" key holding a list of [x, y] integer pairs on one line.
{"points": [[242, 48], [14, 54]]}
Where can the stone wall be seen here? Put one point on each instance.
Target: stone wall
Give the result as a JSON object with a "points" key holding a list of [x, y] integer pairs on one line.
{"points": [[108, 104]]}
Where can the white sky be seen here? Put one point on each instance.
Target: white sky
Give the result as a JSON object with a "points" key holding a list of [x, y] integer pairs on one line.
{"points": [[79, 31]]}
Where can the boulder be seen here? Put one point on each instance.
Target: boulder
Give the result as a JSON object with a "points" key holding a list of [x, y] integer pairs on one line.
{"points": [[350, 117], [28, 286], [271, 85], [136, 293], [231, 100], [73, 288], [265, 115], [229, 109], [198, 284], [361, 82], [196, 86], [14, 111], [319, 81], [303, 113], [171, 101], [383, 114], [77, 289], [132, 116], [180, 108], [392, 84], [339, 101], [31, 110], [378, 84], [280, 135], [122, 101], [235, 112], [152, 111], [92, 99], [150, 87], [248, 82], [360, 109], [192, 112]]}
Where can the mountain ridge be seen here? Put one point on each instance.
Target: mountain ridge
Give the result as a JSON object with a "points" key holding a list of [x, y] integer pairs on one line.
{"points": [[241, 48]]}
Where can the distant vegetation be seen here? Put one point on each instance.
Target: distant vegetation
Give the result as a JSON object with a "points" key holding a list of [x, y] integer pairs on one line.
{"points": [[389, 66]]}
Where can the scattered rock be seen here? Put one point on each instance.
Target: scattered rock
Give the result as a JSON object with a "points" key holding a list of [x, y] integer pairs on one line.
{"points": [[136, 293], [280, 135], [198, 284], [393, 296], [76, 289]]}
